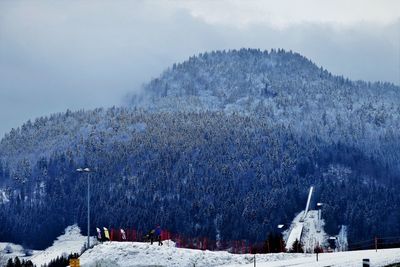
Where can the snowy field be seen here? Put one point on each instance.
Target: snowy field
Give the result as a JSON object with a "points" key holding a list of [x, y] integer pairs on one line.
{"points": [[135, 254], [142, 254], [16, 251], [342, 259], [70, 242]]}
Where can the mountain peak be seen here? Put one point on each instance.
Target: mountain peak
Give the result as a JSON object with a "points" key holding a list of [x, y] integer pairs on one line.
{"points": [[218, 79]]}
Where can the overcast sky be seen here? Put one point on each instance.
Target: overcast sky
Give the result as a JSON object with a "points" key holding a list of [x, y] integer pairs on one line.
{"points": [[56, 55]]}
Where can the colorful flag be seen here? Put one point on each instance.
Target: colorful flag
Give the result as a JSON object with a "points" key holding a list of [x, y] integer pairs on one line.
{"points": [[123, 235], [106, 233], [98, 233]]}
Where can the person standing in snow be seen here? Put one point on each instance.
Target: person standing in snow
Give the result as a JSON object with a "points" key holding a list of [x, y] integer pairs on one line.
{"points": [[158, 235], [151, 236]]}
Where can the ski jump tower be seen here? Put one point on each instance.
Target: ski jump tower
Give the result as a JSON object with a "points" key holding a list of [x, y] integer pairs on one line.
{"points": [[297, 229], [308, 204]]}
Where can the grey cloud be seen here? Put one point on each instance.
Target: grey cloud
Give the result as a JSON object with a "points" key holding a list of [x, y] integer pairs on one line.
{"points": [[58, 55]]}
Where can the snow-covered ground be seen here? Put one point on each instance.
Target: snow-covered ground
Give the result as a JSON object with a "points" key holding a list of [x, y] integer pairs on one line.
{"points": [[295, 231], [71, 241], [131, 254], [134, 254], [338, 259], [16, 251]]}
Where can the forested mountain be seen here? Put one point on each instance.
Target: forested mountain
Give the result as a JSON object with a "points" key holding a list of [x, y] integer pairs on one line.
{"points": [[225, 144], [283, 88]]}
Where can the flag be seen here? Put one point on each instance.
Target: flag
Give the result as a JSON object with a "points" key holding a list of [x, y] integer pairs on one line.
{"points": [[98, 233], [106, 233], [123, 235]]}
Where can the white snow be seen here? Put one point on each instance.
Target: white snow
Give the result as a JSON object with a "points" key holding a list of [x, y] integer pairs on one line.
{"points": [[134, 254], [70, 242], [16, 251], [3, 197], [313, 232], [295, 233], [338, 259], [308, 230], [342, 243]]}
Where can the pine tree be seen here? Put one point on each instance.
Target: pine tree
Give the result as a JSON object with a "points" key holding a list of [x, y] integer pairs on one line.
{"points": [[297, 247]]}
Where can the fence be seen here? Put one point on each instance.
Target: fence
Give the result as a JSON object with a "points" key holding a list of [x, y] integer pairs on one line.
{"points": [[239, 246], [182, 241], [376, 243]]}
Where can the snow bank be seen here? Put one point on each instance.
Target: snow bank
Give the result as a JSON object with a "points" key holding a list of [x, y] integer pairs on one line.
{"points": [[133, 254], [70, 242], [16, 251]]}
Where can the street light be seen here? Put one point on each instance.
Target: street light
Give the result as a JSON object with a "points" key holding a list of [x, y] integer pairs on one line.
{"points": [[280, 227], [87, 170], [319, 207]]}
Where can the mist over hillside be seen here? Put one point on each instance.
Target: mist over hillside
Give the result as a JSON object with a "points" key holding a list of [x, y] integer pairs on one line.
{"points": [[224, 144]]}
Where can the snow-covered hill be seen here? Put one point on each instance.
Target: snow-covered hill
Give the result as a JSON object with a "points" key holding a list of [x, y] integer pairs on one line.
{"points": [[70, 242]]}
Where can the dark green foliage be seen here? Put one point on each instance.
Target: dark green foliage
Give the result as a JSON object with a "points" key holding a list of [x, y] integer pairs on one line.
{"points": [[61, 261], [275, 243], [297, 247], [165, 175], [17, 263]]}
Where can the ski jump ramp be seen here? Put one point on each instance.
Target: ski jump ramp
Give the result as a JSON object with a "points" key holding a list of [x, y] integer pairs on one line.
{"points": [[295, 233], [298, 223]]}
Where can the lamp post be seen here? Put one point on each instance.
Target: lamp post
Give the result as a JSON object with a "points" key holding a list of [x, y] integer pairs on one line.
{"points": [[280, 229], [319, 207], [87, 170]]}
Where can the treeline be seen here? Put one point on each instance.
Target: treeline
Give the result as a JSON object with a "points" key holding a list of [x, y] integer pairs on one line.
{"points": [[16, 262]]}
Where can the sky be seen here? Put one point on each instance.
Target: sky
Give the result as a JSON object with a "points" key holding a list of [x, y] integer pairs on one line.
{"points": [[59, 55]]}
